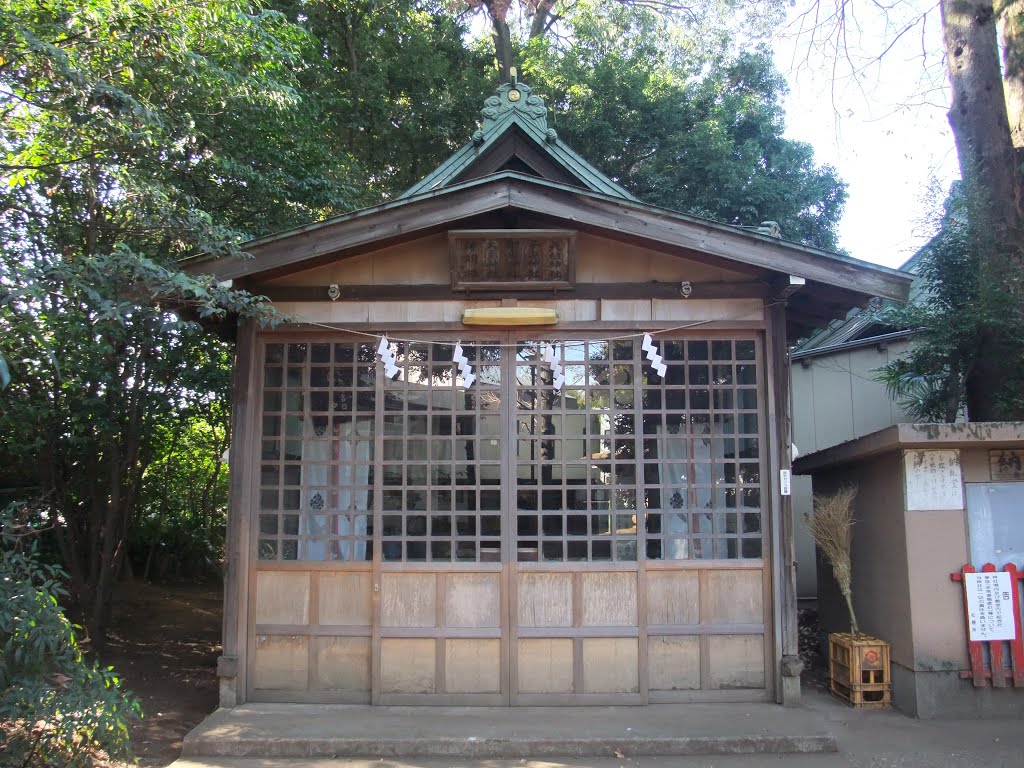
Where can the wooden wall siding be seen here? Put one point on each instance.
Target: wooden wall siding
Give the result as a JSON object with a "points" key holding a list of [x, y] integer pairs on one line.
{"points": [[673, 597], [545, 600], [281, 663], [282, 598], [591, 624], [425, 261], [473, 665], [345, 599], [611, 665], [441, 637], [673, 663], [472, 600], [408, 600], [312, 635], [599, 258], [545, 665], [408, 665], [421, 261], [835, 398], [609, 599], [733, 597], [342, 664], [736, 661], [587, 636]]}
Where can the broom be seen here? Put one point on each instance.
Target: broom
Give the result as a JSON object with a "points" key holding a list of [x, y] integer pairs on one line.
{"points": [[831, 528]]}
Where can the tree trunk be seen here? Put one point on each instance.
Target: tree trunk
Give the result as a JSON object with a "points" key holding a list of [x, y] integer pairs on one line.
{"points": [[162, 513], [209, 491], [1010, 22], [105, 580], [981, 127], [502, 36], [978, 114], [542, 18]]}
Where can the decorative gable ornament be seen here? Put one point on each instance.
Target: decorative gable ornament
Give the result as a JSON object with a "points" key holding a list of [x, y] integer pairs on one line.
{"points": [[517, 97], [513, 114]]}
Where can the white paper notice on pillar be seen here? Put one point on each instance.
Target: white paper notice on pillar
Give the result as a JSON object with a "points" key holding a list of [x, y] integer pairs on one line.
{"points": [[990, 606], [933, 480]]}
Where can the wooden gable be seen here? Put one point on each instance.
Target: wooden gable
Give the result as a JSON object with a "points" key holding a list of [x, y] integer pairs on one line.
{"points": [[831, 284], [514, 136]]}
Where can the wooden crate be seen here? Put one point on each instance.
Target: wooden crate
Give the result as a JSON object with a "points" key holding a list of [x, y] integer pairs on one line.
{"points": [[859, 670]]}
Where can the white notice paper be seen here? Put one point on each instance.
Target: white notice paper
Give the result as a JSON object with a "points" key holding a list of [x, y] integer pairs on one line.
{"points": [[786, 482], [933, 480], [990, 606]]}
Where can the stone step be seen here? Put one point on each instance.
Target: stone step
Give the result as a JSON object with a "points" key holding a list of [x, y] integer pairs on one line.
{"points": [[342, 731]]}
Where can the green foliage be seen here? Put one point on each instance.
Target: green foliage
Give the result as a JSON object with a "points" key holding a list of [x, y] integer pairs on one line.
{"points": [[398, 90], [98, 375], [56, 709], [183, 507], [968, 352], [180, 121], [135, 133], [701, 135]]}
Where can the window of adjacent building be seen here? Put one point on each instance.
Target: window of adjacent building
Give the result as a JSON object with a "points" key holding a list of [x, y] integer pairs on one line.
{"points": [[995, 519]]}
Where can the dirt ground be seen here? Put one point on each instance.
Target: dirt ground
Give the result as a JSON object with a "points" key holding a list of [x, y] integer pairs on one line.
{"points": [[164, 643]]}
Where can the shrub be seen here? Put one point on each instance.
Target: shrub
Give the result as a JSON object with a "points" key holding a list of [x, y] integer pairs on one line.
{"points": [[56, 708]]}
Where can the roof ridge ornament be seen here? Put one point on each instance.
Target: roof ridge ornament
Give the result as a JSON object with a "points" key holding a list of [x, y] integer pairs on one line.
{"points": [[514, 97]]}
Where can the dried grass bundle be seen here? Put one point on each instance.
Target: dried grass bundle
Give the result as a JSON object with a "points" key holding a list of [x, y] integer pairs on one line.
{"points": [[831, 528]]}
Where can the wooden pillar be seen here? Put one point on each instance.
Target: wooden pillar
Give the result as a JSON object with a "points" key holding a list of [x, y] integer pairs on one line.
{"points": [[232, 663], [787, 635]]}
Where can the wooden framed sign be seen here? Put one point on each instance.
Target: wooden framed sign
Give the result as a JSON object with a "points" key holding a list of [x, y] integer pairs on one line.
{"points": [[512, 259]]}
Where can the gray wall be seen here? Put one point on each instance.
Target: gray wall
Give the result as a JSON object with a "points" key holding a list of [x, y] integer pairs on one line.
{"points": [[835, 398]]}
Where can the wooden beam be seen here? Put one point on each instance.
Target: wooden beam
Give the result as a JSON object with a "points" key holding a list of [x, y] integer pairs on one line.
{"points": [[557, 331], [241, 460], [787, 286], [583, 291]]}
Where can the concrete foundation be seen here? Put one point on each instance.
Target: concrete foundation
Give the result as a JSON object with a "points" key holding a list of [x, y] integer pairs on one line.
{"points": [[945, 695], [314, 731]]}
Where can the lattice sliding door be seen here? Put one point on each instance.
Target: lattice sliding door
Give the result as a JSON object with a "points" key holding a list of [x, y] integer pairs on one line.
{"points": [[420, 541]]}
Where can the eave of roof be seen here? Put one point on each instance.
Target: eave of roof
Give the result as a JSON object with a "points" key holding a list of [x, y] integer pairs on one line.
{"points": [[843, 334], [881, 339], [419, 214]]}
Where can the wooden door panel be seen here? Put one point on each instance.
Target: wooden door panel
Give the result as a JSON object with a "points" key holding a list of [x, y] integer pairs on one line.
{"points": [[472, 600], [408, 600]]}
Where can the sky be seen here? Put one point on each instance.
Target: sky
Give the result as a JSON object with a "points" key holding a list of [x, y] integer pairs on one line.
{"points": [[885, 130]]}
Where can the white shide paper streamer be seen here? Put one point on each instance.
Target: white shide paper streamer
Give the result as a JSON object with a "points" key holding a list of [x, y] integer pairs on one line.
{"points": [[654, 356], [465, 367], [549, 355], [387, 357]]}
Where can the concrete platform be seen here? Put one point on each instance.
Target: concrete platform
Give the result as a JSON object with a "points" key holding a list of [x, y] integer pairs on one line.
{"points": [[274, 731]]}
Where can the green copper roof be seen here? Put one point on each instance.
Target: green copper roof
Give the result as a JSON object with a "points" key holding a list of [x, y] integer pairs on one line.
{"points": [[513, 106]]}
